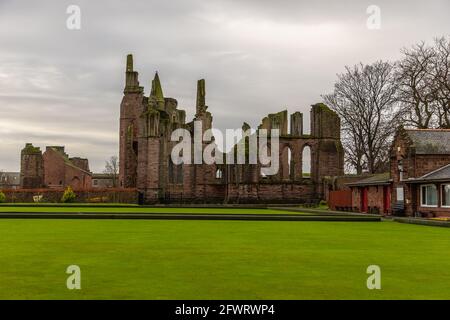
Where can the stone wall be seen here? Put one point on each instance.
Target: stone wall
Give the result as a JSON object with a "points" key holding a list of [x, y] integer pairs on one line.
{"points": [[97, 195], [31, 167], [146, 125], [60, 171]]}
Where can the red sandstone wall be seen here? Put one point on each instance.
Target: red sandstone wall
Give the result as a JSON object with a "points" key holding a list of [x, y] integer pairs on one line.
{"points": [[59, 173], [54, 169]]}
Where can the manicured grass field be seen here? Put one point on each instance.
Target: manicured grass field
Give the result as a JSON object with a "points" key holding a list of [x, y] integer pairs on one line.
{"points": [[142, 210], [155, 259]]}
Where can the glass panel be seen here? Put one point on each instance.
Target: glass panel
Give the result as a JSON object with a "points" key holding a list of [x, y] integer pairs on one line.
{"points": [[446, 195], [400, 196], [424, 195], [431, 198]]}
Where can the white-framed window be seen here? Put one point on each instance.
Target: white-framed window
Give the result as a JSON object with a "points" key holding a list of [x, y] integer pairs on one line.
{"points": [[445, 195], [428, 195], [219, 174], [400, 169], [400, 194]]}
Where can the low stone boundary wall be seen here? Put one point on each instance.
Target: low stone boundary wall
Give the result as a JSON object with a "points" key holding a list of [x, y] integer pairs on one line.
{"points": [[110, 195], [424, 222]]}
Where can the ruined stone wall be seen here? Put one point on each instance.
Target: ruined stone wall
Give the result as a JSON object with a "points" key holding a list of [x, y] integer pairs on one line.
{"points": [[55, 172], [128, 144], [131, 109], [61, 171], [146, 124], [80, 163], [31, 167]]}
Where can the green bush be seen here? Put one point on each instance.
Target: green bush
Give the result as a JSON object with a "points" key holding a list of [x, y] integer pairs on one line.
{"points": [[2, 197], [68, 196]]}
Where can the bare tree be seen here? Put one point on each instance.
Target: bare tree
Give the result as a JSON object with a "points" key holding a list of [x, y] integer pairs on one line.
{"points": [[441, 74], [365, 97], [112, 169], [424, 84], [353, 138]]}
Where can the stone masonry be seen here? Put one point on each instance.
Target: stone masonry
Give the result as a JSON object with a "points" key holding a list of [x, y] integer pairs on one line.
{"points": [[146, 125], [53, 169]]}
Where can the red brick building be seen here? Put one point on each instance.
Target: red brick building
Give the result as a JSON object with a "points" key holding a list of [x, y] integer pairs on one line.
{"points": [[53, 169], [372, 194], [418, 183], [419, 170], [146, 124]]}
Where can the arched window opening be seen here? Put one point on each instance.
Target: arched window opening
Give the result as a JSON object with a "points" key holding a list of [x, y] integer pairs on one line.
{"points": [[286, 162], [290, 166], [306, 162]]}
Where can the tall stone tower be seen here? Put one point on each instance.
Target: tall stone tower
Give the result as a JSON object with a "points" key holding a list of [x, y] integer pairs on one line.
{"points": [[329, 156], [31, 167], [130, 110]]}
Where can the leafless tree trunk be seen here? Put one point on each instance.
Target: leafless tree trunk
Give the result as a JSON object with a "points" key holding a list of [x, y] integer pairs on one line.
{"points": [[112, 169], [441, 74], [365, 97], [424, 85]]}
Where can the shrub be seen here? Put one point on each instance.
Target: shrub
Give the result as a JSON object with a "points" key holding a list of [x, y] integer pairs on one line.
{"points": [[2, 197], [68, 196]]}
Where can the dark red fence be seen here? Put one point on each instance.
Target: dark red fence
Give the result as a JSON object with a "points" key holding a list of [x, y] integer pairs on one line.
{"points": [[340, 200]]}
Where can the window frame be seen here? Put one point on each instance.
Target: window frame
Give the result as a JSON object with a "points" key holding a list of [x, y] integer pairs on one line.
{"points": [[421, 196], [442, 194]]}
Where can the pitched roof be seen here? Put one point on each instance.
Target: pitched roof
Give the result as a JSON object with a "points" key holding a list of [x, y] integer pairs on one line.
{"points": [[442, 173], [373, 180], [430, 141]]}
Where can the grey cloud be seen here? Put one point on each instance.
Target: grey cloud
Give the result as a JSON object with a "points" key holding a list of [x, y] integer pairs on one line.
{"points": [[258, 56]]}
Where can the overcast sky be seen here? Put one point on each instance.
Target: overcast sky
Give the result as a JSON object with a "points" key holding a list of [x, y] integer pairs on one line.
{"points": [[64, 87]]}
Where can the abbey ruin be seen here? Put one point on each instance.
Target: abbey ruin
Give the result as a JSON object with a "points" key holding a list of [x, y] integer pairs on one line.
{"points": [[146, 124]]}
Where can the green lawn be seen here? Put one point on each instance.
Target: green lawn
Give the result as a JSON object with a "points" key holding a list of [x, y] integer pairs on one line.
{"points": [[160, 259], [142, 210]]}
